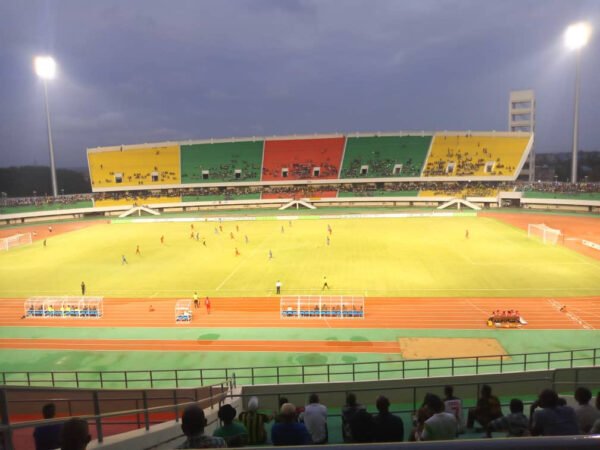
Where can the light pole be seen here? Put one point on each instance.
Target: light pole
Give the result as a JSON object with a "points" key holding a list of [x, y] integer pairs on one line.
{"points": [[576, 37], [45, 68]]}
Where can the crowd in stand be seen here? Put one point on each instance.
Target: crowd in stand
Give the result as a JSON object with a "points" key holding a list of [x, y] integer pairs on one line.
{"points": [[225, 172], [567, 188], [381, 168], [437, 419], [45, 200], [303, 170]]}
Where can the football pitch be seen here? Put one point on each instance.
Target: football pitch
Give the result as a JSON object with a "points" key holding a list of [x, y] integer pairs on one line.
{"points": [[375, 257]]}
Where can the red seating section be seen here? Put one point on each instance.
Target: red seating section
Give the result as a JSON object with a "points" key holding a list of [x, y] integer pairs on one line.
{"points": [[300, 157]]}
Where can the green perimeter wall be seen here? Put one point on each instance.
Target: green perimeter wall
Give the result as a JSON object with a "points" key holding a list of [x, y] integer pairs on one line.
{"points": [[382, 153], [45, 207], [221, 160], [563, 195], [379, 193]]}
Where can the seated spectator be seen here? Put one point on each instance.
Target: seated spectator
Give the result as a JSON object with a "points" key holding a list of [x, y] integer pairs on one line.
{"points": [[75, 434], [193, 422], [47, 437], [288, 431], [596, 427], [315, 419], [586, 413], [453, 405], [515, 424], [487, 409], [233, 432], [388, 427], [441, 425], [348, 411], [362, 426], [552, 420], [254, 423], [419, 418]]}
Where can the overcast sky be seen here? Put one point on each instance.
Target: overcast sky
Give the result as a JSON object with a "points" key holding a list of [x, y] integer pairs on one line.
{"points": [[140, 71]]}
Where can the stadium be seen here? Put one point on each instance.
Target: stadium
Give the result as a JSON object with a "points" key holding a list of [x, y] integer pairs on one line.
{"points": [[196, 275]]}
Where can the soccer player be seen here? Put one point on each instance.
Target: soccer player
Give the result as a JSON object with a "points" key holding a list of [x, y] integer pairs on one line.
{"points": [[137, 251], [237, 252], [278, 287], [221, 228], [237, 228], [325, 285], [231, 234], [329, 230], [207, 304], [44, 242], [270, 254], [197, 235], [162, 239], [123, 260], [327, 240], [216, 230], [246, 238], [282, 229], [50, 229], [82, 288], [192, 226], [196, 302], [204, 241], [467, 234], [192, 235]]}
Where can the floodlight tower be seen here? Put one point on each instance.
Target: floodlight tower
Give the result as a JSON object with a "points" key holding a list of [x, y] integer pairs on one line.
{"points": [[576, 37], [45, 68]]}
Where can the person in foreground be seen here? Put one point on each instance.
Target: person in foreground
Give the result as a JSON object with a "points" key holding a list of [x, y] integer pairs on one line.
{"points": [[388, 427], [441, 425], [287, 430], [234, 433], [193, 422], [552, 419], [47, 436], [75, 434], [515, 424]]}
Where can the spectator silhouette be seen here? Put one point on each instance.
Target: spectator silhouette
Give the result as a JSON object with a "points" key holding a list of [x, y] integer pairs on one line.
{"points": [[315, 419], [554, 419], [75, 434], [515, 424], [362, 426], [288, 431], [348, 411], [47, 437], [193, 422], [487, 409], [441, 425], [254, 422], [586, 413], [388, 427], [234, 433]]}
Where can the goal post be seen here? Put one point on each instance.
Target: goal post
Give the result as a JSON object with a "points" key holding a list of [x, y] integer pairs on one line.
{"points": [[16, 240], [322, 306], [545, 233]]}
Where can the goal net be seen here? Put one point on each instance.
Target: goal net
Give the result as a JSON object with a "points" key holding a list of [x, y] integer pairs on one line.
{"points": [[545, 233], [15, 240]]}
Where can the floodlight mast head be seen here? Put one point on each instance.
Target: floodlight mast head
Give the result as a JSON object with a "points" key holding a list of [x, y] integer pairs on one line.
{"points": [[45, 67], [577, 35]]}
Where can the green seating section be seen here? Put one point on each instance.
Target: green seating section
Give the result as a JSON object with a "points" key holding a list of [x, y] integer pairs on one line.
{"points": [[383, 154], [221, 160]]}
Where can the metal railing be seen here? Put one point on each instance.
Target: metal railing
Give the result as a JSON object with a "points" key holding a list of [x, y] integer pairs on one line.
{"points": [[355, 371]]}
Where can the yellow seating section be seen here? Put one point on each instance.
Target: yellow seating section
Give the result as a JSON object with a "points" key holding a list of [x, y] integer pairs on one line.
{"points": [[130, 201], [137, 166], [471, 154]]}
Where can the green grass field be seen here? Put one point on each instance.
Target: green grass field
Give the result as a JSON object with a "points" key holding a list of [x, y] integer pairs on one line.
{"points": [[376, 257]]}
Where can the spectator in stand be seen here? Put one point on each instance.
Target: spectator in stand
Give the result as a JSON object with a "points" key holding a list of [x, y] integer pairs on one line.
{"points": [[515, 424], [441, 426], [596, 427], [552, 420], [586, 413], [453, 405], [75, 434], [362, 426], [315, 419], [288, 431], [233, 432], [348, 411], [255, 423], [47, 437], [193, 422], [487, 409], [388, 427], [419, 418]]}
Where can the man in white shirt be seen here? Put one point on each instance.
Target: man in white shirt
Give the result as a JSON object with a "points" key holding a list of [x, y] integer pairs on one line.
{"points": [[441, 425], [315, 419]]}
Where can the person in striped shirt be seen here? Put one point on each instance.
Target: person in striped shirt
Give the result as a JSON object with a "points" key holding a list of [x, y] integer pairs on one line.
{"points": [[254, 422]]}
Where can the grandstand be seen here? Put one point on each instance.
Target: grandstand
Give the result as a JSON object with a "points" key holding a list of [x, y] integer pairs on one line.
{"points": [[221, 162], [302, 158], [476, 155], [384, 156], [128, 166]]}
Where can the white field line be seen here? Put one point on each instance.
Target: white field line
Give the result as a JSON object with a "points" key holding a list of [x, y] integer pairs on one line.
{"points": [[574, 317]]}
